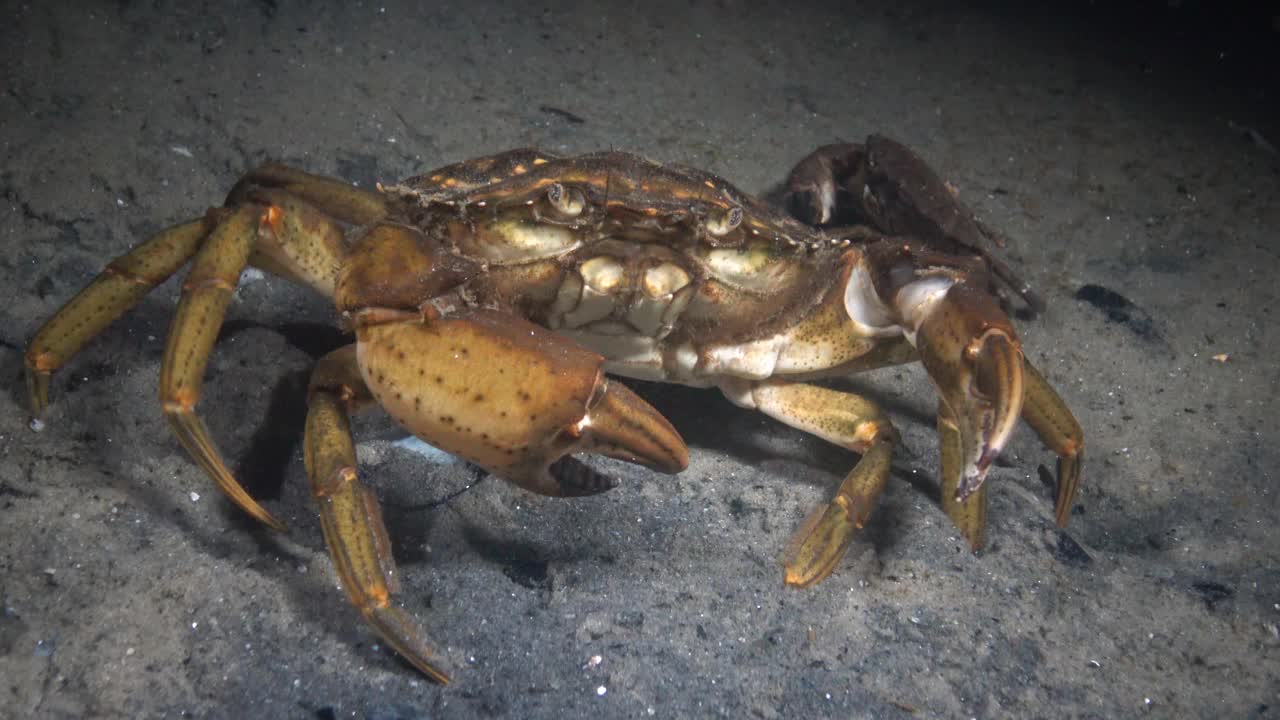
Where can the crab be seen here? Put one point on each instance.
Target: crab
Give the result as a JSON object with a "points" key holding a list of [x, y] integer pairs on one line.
{"points": [[494, 301]]}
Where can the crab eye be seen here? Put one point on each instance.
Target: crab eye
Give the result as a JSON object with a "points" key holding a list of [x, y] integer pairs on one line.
{"points": [[566, 201], [722, 223]]}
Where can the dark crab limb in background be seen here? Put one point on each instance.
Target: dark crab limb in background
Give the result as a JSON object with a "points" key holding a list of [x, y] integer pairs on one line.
{"points": [[885, 184]]}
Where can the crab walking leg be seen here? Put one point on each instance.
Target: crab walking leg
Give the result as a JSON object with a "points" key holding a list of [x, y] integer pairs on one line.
{"points": [[278, 233], [205, 296], [349, 513], [844, 419], [116, 290], [332, 195], [969, 514], [128, 278], [298, 242], [1049, 416]]}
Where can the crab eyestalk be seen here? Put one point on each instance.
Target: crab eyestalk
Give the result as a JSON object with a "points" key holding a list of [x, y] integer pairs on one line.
{"points": [[972, 355], [565, 202]]}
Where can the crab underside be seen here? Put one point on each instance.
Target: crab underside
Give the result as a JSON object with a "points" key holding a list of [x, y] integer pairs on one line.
{"points": [[491, 301]]}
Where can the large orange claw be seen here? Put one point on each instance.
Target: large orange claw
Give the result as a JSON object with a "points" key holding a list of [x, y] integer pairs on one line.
{"points": [[973, 356], [514, 398]]}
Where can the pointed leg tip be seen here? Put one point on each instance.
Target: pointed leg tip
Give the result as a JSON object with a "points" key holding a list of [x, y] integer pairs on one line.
{"points": [[970, 520], [403, 635], [1069, 467], [1062, 512], [242, 500], [801, 573], [275, 524], [818, 546], [261, 514], [251, 506], [433, 673], [793, 578], [37, 395]]}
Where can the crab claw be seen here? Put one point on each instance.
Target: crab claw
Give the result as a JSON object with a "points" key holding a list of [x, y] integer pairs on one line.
{"points": [[514, 398], [969, 348]]}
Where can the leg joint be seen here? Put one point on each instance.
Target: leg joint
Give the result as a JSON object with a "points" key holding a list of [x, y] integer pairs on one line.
{"points": [[181, 401], [43, 361], [870, 432], [197, 284], [335, 481], [128, 275]]}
